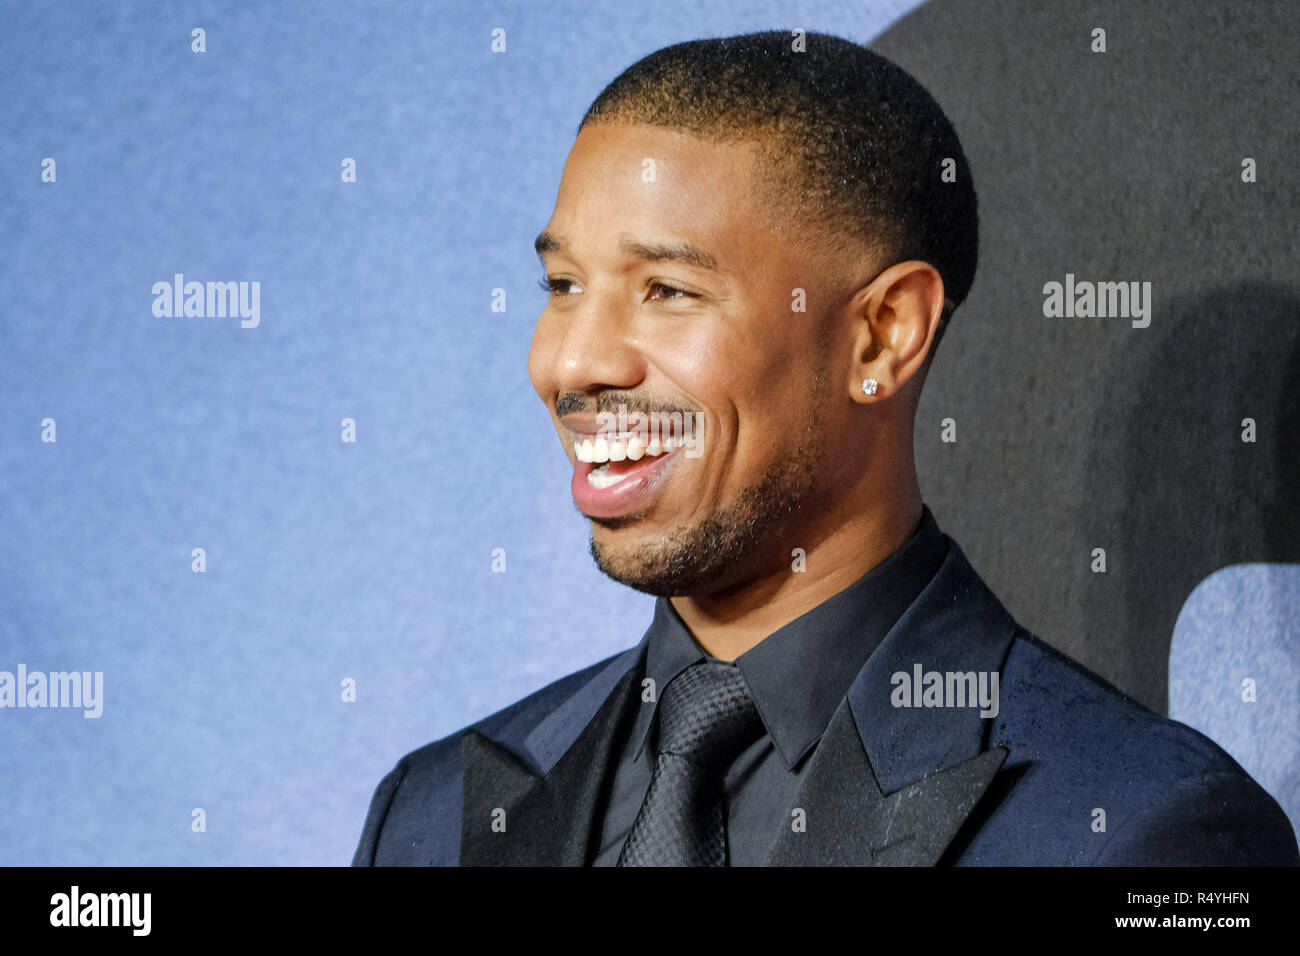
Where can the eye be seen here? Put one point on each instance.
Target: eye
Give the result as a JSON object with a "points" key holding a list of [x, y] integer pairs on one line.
{"points": [[555, 286], [670, 292]]}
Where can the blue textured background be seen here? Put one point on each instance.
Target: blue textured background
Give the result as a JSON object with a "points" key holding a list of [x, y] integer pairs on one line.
{"points": [[1243, 622], [326, 560]]}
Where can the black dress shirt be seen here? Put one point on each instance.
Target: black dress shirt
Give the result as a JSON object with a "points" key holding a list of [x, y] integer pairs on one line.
{"points": [[797, 676]]}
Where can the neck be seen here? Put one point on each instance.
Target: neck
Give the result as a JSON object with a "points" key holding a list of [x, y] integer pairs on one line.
{"points": [[842, 547]]}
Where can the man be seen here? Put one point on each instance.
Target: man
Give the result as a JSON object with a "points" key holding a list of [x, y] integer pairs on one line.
{"points": [[756, 245]]}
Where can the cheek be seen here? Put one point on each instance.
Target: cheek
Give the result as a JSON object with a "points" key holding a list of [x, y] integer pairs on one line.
{"points": [[755, 395], [697, 362], [777, 403]]}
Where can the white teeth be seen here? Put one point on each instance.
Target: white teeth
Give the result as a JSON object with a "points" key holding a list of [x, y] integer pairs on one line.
{"points": [[604, 450], [601, 478]]}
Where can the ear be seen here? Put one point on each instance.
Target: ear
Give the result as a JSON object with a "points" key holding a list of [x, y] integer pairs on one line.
{"points": [[896, 317]]}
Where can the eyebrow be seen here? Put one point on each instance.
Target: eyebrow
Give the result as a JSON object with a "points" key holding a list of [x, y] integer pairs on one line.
{"points": [[679, 251]]}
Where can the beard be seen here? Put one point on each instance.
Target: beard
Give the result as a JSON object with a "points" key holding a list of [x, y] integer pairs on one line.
{"points": [[719, 549]]}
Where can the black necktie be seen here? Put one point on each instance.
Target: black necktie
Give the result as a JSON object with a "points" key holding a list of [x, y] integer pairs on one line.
{"points": [[706, 718]]}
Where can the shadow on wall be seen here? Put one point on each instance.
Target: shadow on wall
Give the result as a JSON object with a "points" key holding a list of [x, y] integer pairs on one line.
{"points": [[1197, 496], [1078, 433]]}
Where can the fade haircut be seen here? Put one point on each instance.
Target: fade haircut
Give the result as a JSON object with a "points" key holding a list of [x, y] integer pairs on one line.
{"points": [[852, 146]]}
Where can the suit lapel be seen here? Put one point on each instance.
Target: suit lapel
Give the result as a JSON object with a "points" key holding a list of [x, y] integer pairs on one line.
{"points": [[848, 822], [515, 814], [891, 785]]}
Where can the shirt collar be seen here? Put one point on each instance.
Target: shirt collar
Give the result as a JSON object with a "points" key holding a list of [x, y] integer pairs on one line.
{"points": [[799, 674]]}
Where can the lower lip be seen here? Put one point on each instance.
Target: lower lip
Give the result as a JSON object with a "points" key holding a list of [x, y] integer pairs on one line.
{"points": [[633, 493]]}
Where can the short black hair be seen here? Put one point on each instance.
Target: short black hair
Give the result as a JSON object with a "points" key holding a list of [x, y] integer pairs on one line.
{"points": [[869, 143]]}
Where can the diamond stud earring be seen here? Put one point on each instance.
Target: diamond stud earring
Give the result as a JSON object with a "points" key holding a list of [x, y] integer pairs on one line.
{"points": [[869, 386]]}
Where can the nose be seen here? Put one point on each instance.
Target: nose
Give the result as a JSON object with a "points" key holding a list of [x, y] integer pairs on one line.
{"points": [[594, 347]]}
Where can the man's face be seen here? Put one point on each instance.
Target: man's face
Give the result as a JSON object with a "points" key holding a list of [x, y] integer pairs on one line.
{"points": [[630, 323]]}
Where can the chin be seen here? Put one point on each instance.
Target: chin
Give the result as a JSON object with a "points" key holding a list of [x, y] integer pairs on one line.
{"points": [[631, 563]]}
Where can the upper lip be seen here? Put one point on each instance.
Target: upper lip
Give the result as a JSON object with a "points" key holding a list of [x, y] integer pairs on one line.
{"points": [[581, 425], [586, 426]]}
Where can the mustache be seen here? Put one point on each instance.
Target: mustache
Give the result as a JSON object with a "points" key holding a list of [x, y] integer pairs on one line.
{"points": [[574, 402]]}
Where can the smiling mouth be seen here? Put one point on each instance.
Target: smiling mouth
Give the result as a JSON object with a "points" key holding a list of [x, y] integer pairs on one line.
{"points": [[618, 459]]}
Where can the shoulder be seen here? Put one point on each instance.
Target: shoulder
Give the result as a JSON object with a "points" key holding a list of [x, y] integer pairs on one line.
{"points": [[1120, 783], [1056, 709], [414, 815]]}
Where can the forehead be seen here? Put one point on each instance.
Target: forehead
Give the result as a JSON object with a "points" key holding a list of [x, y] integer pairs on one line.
{"points": [[634, 178]]}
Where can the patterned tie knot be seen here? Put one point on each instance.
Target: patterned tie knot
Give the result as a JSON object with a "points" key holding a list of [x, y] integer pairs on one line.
{"points": [[707, 716]]}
